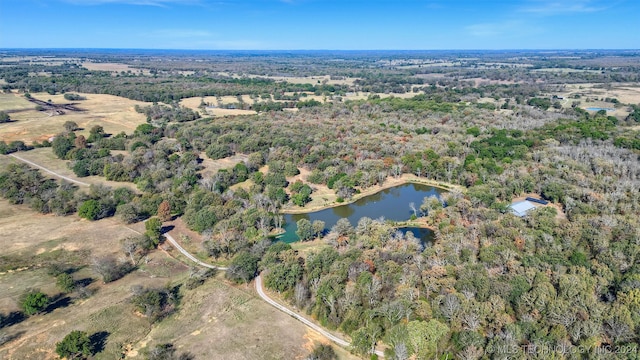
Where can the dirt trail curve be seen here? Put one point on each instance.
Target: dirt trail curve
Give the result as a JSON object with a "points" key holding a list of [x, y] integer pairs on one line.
{"points": [[258, 279], [49, 171], [188, 255], [260, 290]]}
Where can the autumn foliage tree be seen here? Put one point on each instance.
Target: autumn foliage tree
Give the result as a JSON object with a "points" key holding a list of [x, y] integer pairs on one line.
{"points": [[164, 211], [80, 142]]}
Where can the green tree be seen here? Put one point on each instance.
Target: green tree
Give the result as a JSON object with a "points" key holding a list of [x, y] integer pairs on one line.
{"points": [[65, 282], [4, 117], [70, 126], [96, 133], [153, 228], [323, 352], [89, 210], [305, 229], [33, 302], [243, 267], [283, 277], [424, 337], [76, 345], [61, 145], [318, 227]]}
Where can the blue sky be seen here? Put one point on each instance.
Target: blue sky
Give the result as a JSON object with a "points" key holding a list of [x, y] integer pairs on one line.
{"points": [[321, 24]]}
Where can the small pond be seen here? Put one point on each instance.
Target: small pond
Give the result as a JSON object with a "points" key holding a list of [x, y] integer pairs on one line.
{"points": [[598, 109], [392, 204]]}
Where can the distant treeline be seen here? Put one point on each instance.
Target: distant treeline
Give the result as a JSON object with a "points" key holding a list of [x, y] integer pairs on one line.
{"points": [[70, 78]]}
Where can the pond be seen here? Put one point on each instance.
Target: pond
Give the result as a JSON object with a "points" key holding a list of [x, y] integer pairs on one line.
{"points": [[599, 108], [392, 204]]}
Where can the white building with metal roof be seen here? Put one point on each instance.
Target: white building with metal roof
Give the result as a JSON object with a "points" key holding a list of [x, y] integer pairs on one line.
{"points": [[521, 208]]}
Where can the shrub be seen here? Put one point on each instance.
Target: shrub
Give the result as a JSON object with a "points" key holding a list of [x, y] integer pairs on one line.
{"points": [[76, 345], [33, 302], [74, 97], [89, 210], [65, 282], [4, 117]]}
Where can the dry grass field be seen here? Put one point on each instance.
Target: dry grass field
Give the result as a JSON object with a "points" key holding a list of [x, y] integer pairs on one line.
{"points": [[193, 103], [25, 232], [214, 321], [566, 70], [229, 322], [211, 167], [594, 95], [14, 102], [115, 114]]}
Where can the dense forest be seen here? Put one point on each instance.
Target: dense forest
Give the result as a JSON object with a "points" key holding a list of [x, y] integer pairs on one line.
{"points": [[564, 278]]}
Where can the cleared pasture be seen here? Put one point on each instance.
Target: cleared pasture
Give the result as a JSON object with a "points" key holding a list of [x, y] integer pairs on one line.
{"points": [[216, 320], [223, 322], [211, 167], [595, 95], [115, 114], [14, 102]]}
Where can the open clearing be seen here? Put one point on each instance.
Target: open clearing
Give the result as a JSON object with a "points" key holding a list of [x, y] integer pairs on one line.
{"points": [[115, 114], [193, 103], [211, 167], [594, 95], [230, 323], [24, 230], [14, 102]]}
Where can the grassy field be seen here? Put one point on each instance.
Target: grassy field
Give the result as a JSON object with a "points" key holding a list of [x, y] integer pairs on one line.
{"points": [[594, 95], [30, 242], [314, 80], [25, 232], [215, 320], [193, 103], [113, 113], [211, 167], [230, 323], [14, 102]]}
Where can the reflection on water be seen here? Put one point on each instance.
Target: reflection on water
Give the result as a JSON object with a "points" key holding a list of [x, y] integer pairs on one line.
{"points": [[391, 204]]}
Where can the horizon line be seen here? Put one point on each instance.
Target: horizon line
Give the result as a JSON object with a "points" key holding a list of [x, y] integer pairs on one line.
{"points": [[310, 50]]}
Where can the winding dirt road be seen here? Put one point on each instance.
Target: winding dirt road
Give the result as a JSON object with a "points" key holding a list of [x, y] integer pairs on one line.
{"points": [[265, 297], [260, 290], [49, 171], [258, 279], [189, 256]]}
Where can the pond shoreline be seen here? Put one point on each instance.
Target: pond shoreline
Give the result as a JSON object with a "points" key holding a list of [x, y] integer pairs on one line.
{"points": [[388, 184]]}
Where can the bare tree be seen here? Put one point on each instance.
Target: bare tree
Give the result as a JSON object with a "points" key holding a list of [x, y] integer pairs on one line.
{"points": [[412, 206], [301, 294], [130, 247]]}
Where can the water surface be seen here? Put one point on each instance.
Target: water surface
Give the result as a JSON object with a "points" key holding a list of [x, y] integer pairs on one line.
{"points": [[392, 204], [599, 108]]}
